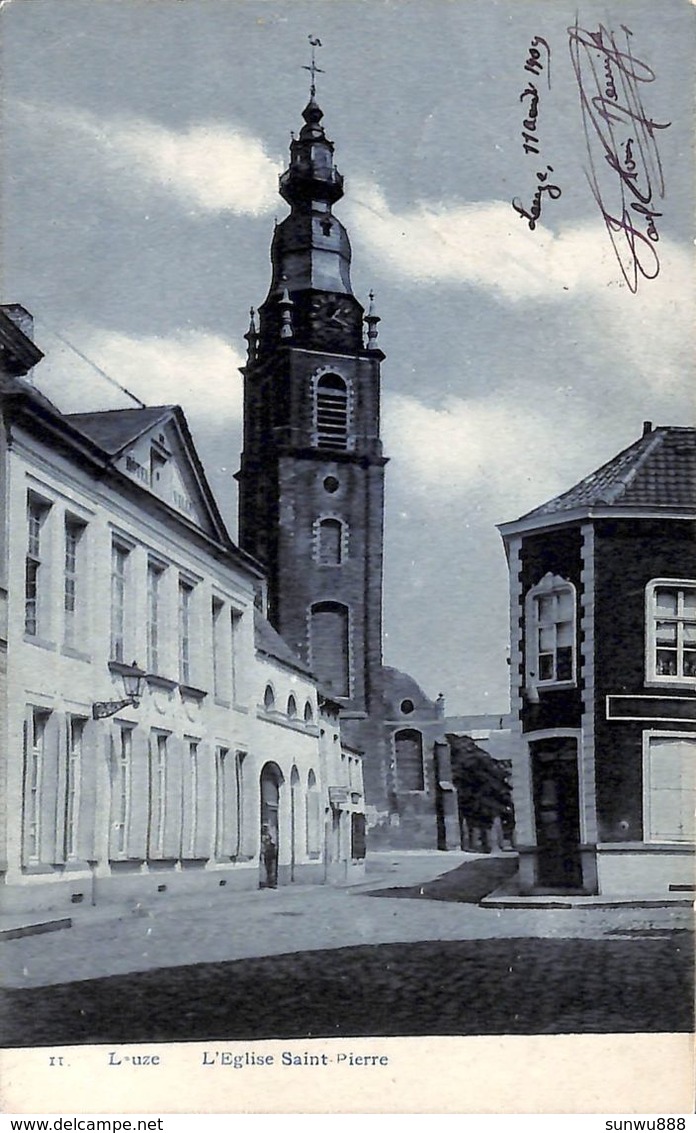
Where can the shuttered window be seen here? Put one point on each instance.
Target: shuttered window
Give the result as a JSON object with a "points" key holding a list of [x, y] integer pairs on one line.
{"points": [[332, 412]]}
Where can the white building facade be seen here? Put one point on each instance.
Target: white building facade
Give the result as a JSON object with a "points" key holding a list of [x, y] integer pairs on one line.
{"points": [[121, 576]]}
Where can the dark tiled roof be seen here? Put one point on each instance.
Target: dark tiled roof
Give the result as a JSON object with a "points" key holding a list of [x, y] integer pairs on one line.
{"points": [[268, 641], [659, 470], [113, 429]]}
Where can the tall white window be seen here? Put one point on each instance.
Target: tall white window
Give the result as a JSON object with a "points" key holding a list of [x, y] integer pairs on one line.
{"points": [[217, 607], [669, 788], [190, 848], [119, 571], [185, 600], [122, 789], [671, 632], [221, 761], [314, 816], [154, 616], [158, 794], [33, 780], [73, 773], [73, 597], [235, 623], [550, 632], [34, 566]]}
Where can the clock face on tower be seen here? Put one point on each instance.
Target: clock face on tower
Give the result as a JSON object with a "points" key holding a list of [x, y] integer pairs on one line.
{"points": [[332, 317]]}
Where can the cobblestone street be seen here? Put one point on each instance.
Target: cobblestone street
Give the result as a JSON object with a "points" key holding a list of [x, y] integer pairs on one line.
{"points": [[314, 960]]}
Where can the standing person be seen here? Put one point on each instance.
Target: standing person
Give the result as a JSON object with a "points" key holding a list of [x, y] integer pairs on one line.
{"points": [[269, 855]]}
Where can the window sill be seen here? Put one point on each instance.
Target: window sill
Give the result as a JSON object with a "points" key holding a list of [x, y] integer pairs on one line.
{"points": [[75, 654], [221, 702], [160, 682], [684, 847], [676, 683], [40, 641], [190, 692], [544, 686]]}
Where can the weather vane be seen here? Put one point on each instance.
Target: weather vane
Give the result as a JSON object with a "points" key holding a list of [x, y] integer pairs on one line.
{"points": [[313, 69]]}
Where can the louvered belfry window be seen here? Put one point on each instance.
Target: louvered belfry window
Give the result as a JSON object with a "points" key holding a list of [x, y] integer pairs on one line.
{"points": [[332, 412]]}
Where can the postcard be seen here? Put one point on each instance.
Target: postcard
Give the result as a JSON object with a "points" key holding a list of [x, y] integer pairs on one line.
{"points": [[347, 556]]}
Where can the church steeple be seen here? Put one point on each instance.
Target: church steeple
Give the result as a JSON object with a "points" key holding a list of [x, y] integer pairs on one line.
{"points": [[311, 481], [310, 253]]}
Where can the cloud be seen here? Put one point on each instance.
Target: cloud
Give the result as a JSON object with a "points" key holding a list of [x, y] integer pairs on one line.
{"points": [[193, 369], [486, 244], [484, 452], [207, 165]]}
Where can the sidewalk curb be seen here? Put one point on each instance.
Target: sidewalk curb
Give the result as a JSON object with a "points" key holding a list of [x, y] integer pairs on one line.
{"points": [[35, 928]]}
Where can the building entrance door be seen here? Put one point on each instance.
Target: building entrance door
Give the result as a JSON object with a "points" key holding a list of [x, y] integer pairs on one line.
{"points": [[271, 779], [557, 813]]}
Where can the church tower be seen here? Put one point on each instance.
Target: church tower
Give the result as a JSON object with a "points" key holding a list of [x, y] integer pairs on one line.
{"points": [[311, 482]]}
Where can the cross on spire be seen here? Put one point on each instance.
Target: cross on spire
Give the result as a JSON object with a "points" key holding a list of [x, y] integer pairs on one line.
{"points": [[313, 69]]}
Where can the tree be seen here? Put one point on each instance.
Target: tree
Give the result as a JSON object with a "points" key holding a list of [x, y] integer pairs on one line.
{"points": [[484, 793]]}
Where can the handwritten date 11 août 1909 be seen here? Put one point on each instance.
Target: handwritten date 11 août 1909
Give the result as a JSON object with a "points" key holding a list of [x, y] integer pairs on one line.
{"points": [[538, 64]]}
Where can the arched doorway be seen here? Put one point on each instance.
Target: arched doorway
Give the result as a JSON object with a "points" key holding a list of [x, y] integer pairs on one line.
{"points": [[271, 783]]}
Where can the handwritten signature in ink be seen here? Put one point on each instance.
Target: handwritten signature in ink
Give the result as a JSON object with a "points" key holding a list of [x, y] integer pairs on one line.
{"points": [[624, 166]]}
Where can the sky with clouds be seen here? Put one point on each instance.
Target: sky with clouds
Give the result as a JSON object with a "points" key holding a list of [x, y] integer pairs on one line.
{"points": [[142, 144]]}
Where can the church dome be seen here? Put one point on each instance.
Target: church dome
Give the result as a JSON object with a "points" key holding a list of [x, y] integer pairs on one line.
{"points": [[404, 699]]}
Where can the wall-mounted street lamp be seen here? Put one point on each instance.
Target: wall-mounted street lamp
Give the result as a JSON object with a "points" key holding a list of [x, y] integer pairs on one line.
{"points": [[133, 677]]}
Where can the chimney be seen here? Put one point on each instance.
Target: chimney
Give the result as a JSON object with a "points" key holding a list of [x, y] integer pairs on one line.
{"points": [[647, 428], [20, 317]]}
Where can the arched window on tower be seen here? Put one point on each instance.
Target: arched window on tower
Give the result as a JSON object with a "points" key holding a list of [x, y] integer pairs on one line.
{"points": [[332, 412], [330, 646], [329, 542], [408, 757]]}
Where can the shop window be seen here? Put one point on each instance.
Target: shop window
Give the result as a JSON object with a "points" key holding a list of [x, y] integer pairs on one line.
{"points": [[669, 788]]}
